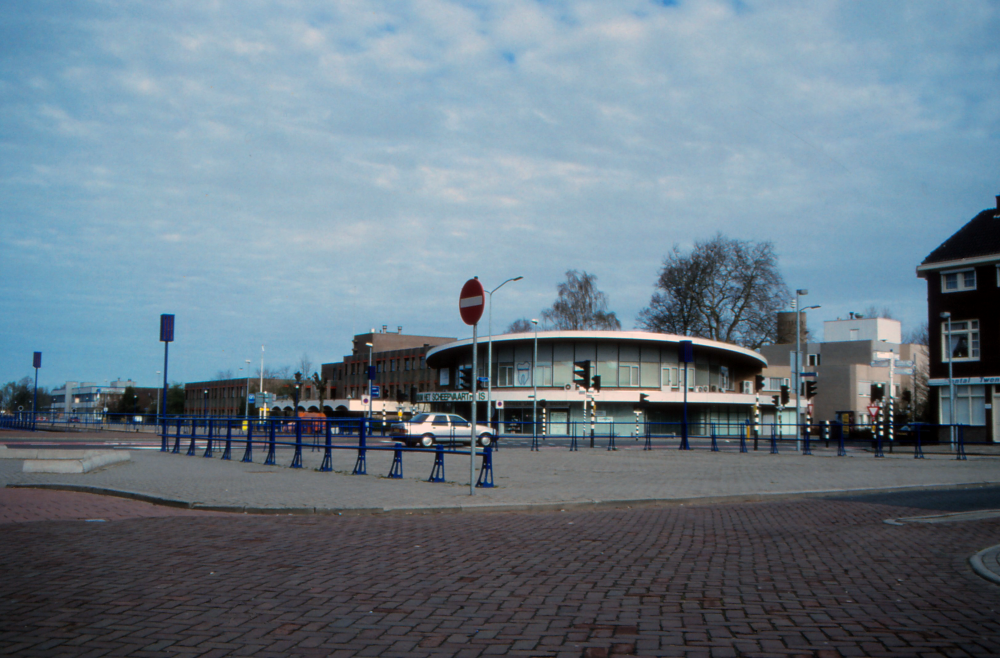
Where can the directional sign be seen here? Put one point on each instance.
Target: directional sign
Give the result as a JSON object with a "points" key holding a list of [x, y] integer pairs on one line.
{"points": [[904, 364], [880, 363], [471, 301], [376, 391]]}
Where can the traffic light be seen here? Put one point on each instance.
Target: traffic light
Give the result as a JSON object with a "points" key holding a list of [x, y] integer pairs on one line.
{"points": [[643, 400], [775, 400], [400, 395], [877, 391], [758, 383], [462, 378], [581, 374], [810, 390], [597, 383], [784, 395], [413, 395]]}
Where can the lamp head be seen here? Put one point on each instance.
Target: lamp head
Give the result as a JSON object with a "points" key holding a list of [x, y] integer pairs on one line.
{"points": [[945, 315]]}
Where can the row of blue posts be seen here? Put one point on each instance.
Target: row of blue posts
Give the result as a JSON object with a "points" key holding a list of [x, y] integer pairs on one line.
{"points": [[484, 481]]}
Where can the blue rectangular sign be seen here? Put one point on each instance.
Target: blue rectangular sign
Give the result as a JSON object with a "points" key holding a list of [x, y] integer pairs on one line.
{"points": [[166, 328], [376, 392]]}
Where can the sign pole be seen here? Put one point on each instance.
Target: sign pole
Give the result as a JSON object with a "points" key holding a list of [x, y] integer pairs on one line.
{"points": [[470, 306], [472, 442]]}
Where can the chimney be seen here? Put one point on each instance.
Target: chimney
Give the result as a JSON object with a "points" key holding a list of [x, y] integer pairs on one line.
{"points": [[998, 202]]}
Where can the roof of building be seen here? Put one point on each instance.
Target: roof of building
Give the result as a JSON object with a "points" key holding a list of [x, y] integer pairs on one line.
{"points": [[980, 237]]}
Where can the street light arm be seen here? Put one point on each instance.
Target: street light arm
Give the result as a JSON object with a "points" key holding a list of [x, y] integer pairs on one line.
{"points": [[516, 278]]}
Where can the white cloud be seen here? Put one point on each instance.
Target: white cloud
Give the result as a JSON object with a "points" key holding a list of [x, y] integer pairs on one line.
{"points": [[368, 157]]}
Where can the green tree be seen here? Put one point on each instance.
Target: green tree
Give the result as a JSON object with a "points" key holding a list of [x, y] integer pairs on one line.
{"points": [[128, 403], [175, 399]]}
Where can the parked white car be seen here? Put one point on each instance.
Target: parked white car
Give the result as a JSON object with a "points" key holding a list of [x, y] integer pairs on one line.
{"points": [[427, 429]]}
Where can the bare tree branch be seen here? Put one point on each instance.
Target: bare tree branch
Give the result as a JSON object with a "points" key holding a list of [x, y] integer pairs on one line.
{"points": [[725, 289]]}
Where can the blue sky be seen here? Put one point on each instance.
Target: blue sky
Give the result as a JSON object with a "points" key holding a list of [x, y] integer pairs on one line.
{"points": [[289, 174]]}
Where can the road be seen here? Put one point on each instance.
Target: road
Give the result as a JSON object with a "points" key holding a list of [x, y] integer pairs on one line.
{"points": [[813, 577]]}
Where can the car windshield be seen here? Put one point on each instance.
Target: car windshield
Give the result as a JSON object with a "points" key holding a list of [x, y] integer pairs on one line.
{"points": [[420, 418]]}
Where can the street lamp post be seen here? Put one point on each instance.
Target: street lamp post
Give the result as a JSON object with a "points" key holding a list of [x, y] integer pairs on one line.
{"points": [[798, 364], [371, 376], [534, 390], [951, 382], [246, 408], [489, 349], [158, 409]]}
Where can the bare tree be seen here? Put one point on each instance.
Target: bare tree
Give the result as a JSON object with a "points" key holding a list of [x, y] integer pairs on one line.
{"points": [[224, 374], [876, 312], [305, 365], [520, 326], [725, 289], [580, 305], [918, 335]]}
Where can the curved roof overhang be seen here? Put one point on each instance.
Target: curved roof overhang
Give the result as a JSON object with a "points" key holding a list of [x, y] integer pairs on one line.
{"points": [[460, 351]]}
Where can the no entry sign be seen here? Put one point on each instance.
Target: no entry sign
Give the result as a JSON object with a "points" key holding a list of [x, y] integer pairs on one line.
{"points": [[472, 301]]}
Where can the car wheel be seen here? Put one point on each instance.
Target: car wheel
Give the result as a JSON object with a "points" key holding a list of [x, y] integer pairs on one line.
{"points": [[485, 440], [427, 440]]}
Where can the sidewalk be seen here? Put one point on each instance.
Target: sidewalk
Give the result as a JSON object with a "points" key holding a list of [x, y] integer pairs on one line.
{"points": [[551, 478]]}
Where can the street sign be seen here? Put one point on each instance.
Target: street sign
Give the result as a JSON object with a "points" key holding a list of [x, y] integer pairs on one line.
{"points": [[472, 301], [376, 391], [873, 409], [880, 363], [904, 371], [252, 398], [904, 364]]}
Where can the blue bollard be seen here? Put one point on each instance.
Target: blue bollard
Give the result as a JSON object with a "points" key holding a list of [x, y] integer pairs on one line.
{"points": [[437, 472], [297, 457], [396, 472], [961, 444], [918, 451], [328, 455], [485, 480], [611, 439], [573, 447], [361, 466], [227, 454], [805, 439], [177, 439], [715, 442], [194, 432], [209, 452], [841, 452], [248, 451], [163, 440], [774, 438], [271, 460]]}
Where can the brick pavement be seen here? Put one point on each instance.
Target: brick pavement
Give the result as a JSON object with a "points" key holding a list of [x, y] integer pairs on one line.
{"points": [[811, 577]]}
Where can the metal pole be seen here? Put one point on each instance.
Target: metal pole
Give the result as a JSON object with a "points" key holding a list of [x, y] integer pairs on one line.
{"points": [[534, 390], [951, 383], [798, 367], [472, 441], [371, 350], [246, 408], [489, 349]]}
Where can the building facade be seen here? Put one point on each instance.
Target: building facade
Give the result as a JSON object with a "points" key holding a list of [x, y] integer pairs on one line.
{"points": [[963, 320], [639, 371], [841, 366]]}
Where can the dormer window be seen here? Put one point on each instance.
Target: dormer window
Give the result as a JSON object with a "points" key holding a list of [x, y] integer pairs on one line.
{"points": [[958, 281]]}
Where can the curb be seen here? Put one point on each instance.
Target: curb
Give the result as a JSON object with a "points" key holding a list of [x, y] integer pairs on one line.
{"points": [[486, 507], [982, 562]]}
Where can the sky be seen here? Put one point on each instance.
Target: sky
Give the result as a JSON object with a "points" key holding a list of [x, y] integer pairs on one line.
{"points": [[289, 174]]}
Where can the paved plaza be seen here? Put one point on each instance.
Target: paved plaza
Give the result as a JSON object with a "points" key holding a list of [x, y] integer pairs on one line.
{"points": [[591, 553]]}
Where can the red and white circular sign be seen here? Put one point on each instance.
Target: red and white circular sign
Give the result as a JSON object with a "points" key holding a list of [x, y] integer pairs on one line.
{"points": [[472, 301]]}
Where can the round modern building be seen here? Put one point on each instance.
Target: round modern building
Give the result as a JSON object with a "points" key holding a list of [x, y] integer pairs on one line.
{"points": [[637, 374]]}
